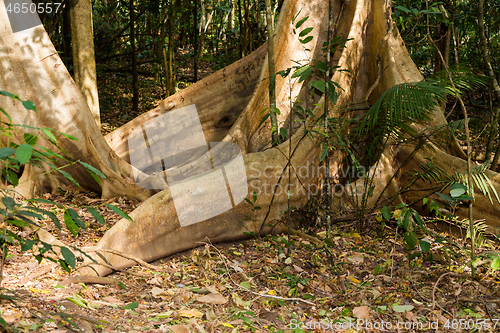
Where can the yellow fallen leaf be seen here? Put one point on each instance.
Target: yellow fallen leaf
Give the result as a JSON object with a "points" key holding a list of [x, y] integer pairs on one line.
{"points": [[190, 313], [237, 253], [272, 292], [397, 214], [227, 325], [353, 279], [40, 291]]}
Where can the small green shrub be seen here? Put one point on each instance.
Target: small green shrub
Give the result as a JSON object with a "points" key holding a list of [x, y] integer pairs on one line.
{"points": [[17, 215]]}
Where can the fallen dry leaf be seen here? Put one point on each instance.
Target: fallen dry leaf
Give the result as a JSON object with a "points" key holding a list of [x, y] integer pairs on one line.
{"points": [[158, 291], [375, 293], [361, 312], [156, 280], [411, 316], [214, 298], [211, 316], [441, 318], [176, 329], [190, 313], [353, 279], [297, 269], [114, 301], [9, 319], [268, 315], [356, 259], [206, 290]]}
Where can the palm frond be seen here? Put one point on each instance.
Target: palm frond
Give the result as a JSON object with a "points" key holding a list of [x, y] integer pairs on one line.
{"points": [[402, 103], [480, 179], [479, 228], [462, 78], [428, 172], [455, 126]]}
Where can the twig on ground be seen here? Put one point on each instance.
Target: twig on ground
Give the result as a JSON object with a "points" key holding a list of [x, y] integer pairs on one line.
{"points": [[435, 286], [427, 299]]}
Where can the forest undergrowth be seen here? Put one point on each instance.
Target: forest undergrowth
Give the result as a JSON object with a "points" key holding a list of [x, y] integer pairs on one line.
{"points": [[253, 286]]}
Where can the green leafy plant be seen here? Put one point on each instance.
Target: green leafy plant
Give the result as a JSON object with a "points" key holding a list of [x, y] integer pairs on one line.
{"points": [[388, 121], [17, 215], [456, 197], [418, 239]]}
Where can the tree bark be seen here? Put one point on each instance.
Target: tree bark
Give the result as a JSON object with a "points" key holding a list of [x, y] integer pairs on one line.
{"points": [[135, 78], [272, 72], [66, 31], [489, 69], [241, 37], [195, 37], [84, 69], [229, 104], [202, 30], [171, 51]]}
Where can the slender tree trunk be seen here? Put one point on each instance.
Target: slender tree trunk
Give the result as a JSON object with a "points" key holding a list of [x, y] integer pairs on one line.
{"points": [[202, 30], [82, 37], [135, 79], [493, 131], [489, 70], [247, 46], [195, 37], [443, 39], [66, 30], [166, 50], [120, 32], [171, 51], [230, 36], [443, 42], [241, 36], [272, 73], [231, 15]]}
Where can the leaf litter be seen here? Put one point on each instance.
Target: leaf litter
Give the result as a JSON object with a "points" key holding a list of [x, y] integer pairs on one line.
{"points": [[252, 286]]}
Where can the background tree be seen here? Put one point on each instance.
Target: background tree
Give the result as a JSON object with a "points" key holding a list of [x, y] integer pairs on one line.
{"points": [[84, 68], [461, 22]]}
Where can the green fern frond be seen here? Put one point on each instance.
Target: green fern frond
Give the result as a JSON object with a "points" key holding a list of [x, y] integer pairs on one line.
{"points": [[480, 179], [455, 126], [402, 103], [429, 172], [463, 78], [479, 228]]}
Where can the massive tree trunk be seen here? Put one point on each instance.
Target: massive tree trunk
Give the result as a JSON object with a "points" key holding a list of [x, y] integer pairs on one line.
{"points": [[229, 104]]}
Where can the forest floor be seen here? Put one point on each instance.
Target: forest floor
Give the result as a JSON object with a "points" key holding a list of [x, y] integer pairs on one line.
{"points": [[357, 283], [367, 284]]}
